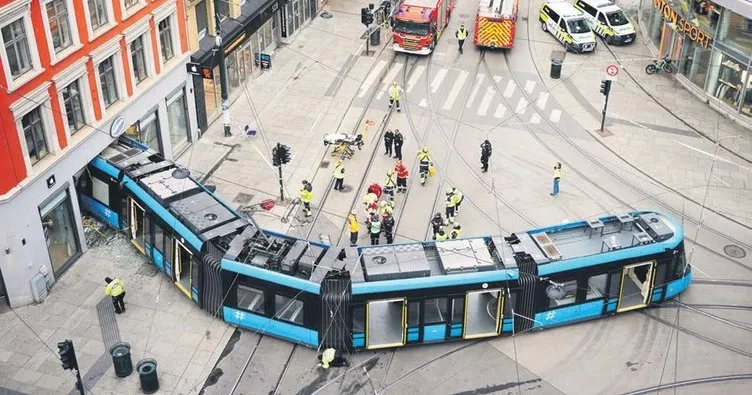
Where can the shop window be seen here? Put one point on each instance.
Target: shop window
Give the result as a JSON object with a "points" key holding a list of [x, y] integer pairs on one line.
{"points": [[747, 100], [59, 231], [435, 310], [251, 299], [149, 132], [727, 85], [695, 62], [565, 295], [735, 31], [289, 309], [596, 287], [413, 314], [458, 309], [177, 119]]}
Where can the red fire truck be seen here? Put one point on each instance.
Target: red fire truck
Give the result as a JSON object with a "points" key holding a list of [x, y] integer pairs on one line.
{"points": [[495, 24], [418, 24]]}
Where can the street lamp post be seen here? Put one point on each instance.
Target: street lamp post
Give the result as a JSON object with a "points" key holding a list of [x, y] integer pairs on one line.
{"points": [[222, 70]]}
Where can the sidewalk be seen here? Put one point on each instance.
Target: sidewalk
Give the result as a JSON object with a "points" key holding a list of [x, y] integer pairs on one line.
{"points": [[674, 147], [305, 96], [159, 323]]}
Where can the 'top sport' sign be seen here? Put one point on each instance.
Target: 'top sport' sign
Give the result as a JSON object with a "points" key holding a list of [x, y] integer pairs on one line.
{"points": [[682, 25]]}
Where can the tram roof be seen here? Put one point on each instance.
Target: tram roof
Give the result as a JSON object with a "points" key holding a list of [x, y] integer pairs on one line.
{"points": [[496, 8]]}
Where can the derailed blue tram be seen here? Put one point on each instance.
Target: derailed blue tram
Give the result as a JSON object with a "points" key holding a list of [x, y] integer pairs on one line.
{"points": [[382, 296]]}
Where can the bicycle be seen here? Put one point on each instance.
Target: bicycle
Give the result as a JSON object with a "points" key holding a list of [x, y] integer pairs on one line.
{"points": [[664, 64]]}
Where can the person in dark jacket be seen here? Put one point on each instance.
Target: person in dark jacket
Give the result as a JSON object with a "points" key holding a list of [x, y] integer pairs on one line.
{"points": [[485, 155], [437, 222], [398, 141], [388, 139], [387, 226]]}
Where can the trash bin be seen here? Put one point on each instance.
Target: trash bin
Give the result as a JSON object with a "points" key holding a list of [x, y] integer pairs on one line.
{"points": [[556, 68], [147, 374], [121, 359], [376, 36]]}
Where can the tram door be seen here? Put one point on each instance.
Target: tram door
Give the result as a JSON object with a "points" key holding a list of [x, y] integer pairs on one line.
{"points": [[636, 286], [386, 323], [483, 313], [137, 230], [182, 263]]}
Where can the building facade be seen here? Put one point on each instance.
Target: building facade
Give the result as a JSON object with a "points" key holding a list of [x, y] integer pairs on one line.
{"points": [[250, 29], [75, 75], [710, 42]]}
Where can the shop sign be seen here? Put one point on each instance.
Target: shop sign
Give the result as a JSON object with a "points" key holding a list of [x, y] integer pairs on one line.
{"points": [[234, 44], [682, 25], [51, 181], [283, 19], [266, 61], [118, 127]]}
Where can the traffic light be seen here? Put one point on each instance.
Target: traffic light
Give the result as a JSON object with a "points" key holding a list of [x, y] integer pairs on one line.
{"points": [[281, 155], [369, 19], [364, 16], [275, 156], [605, 87], [67, 355]]}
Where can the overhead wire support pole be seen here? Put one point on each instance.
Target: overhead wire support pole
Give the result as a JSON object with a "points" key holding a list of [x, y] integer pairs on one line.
{"points": [[220, 53]]}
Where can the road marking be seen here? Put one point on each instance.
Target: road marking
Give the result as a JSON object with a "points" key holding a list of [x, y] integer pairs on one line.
{"points": [[458, 83], [721, 180], [542, 99], [529, 86], [500, 110], [486, 102], [497, 78], [423, 103], [436, 83], [415, 77], [509, 90], [555, 116], [371, 77], [390, 77], [535, 119], [521, 106], [478, 80]]}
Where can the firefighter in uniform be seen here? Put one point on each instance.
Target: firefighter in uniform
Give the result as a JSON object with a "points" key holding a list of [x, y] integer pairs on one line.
{"points": [[437, 222], [306, 196], [456, 231], [390, 183], [398, 141], [424, 161], [387, 225], [371, 201], [386, 208], [450, 204], [402, 174], [339, 176], [354, 227], [394, 95], [330, 357], [458, 198], [116, 289], [461, 35], [441, 235]]}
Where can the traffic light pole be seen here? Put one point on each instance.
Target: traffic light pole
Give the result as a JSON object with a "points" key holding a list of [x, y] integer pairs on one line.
{"points": [[222, 70], [605, 107], [281, 184], [79, 383]]}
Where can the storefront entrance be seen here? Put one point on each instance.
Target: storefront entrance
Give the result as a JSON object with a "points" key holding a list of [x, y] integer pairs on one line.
{"points": [[296, 14], [60, 232]]}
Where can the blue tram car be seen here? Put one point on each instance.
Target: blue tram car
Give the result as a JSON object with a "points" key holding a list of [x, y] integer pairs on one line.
{"points": [[380, 296]]}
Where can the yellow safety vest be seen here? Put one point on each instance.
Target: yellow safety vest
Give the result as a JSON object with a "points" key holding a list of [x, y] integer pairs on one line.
{"points": [[461, 34], [394, 92], [327, 357], [339, 171], [450, 201], [457, 196], [439, 237], [305, 196], [389, 182], [352, 223], [424, 157], [456, 233], [114, 288], [557, 173]]}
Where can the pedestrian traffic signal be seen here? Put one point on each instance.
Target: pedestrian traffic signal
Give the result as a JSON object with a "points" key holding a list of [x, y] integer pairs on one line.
{"points": [[281, 154], [364, 16], [605, 87], [67, 355]]}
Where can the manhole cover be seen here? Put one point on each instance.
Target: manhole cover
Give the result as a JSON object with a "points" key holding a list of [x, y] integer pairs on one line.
{"points": [[734, 251], [243, 198], [324, 164]]}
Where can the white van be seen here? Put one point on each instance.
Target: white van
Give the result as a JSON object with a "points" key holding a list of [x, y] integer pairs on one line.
{"points": [[607, 20], [568, 25]]}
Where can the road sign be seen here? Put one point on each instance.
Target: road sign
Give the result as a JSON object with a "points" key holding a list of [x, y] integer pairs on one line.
{"points": [[611, 72], [199, 70]]}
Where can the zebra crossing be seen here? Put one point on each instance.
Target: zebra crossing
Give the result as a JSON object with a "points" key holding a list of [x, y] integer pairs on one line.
{"points": [[484, 103]]}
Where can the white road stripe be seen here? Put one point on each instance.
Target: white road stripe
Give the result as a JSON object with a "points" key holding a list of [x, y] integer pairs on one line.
{"points": [[535, 118], [458, 83], [371, 77], [500, 110], [555, 116], [521, 106], [509, 90], [436, 83], [423, 103], [478, 80], [542, 99], [390, 77], [486, 102], [529, 86], [497, 78], [414, 78]]}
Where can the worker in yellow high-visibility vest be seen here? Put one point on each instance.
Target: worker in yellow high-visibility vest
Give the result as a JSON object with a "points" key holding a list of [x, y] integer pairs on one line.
{"points": [[116, 289], [461, 35]]}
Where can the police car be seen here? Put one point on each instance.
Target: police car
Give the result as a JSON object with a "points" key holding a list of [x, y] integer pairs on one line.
{"points": [[607, 20], [568, 25]]}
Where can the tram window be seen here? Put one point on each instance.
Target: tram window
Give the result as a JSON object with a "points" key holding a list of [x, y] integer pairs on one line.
{"points": [[100, 191], [510, 304], [596, 286], [159, 238], [569, 297], [435, 310], [681, 265], [289, 309], [614, 285], [660, 274], [195, 270], [147, 229], [168, 247], [458, 309], [251, 299], [359, 319], [413, 313]]}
